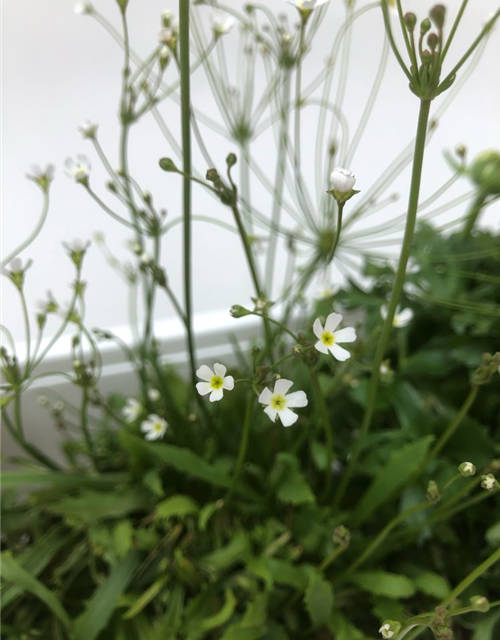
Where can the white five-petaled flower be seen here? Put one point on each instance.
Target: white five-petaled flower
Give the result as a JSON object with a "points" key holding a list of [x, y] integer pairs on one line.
{"points": [[342, 180], [221, 24], [402, 317], [78, 168], [280, 404], [154, 427], [307, 5], [83, 8], [77, 245], [214, 382], [386, 631], [329, 339], [132, 409]]}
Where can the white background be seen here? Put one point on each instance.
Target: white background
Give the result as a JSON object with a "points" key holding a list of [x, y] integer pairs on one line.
{"points": [[60, 69]]}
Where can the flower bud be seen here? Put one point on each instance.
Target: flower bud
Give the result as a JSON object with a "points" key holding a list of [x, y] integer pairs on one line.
{"points": [[433, 494], [154, 395], [432, 41], [342, 180], [437, 15], [489, 482], [389, 629], [485, 172], [231, 160], [341, 536], [425, 26], [410, 21], [167, 164], [480, 603], [461, 150], [83, 8], [237, 311], [467, 469]]}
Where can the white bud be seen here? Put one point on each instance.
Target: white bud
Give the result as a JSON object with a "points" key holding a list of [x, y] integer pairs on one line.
{"points": [[83, 8], [154, 395], [342, 180]]}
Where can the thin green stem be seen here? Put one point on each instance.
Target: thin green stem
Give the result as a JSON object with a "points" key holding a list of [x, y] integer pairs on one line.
{"points": [[473, 214], [245, 437], [84, 421], [418, 159], [454, 29], [325, 418], [33, 234]]}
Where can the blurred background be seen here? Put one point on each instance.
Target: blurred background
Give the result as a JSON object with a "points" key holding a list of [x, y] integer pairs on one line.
{"points": [[60, 68]]}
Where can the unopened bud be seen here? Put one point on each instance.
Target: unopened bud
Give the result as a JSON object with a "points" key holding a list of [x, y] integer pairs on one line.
{"points": [[231, 160], [432, 41], [341, 536], [237, 311], [489, 482], [485, 172], [438, 14], [433, 494], [425, 26], [410, 21], [167, 164], [467, 469], [480, 603]]}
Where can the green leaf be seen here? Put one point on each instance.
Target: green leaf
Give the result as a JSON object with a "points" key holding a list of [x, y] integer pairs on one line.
{"points": [[58, 478], [292, 487], [122, 535], [343, 629], [176, 506], [235, 552], [386, 584], [144, 599], [432, 584], [319, 600], [206, 513], [166, 629], [13, 573], [103, 602], [485, 628], [223, 615], [401, 465]]}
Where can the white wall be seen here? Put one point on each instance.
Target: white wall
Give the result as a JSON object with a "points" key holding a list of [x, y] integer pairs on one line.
{"points": [[60, 68]]}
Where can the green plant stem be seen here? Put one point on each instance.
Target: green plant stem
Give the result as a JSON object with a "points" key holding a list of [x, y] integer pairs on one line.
{"points": [[30, 449], [33, 234], [84, 419], [325, 418], [418, 158], [186, 151], [245, 437], [473, 214], [340, 211], [454, 29]]}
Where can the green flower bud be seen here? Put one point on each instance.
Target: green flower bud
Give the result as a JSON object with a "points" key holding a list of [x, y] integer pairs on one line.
{"points": [[237, 311], [231, 160], [437, 15], [341, 536], [432, 41], [410, 21], [167, 164], [467, 469], [485, 172], [480, 603], [433, 494], [425, 26]]}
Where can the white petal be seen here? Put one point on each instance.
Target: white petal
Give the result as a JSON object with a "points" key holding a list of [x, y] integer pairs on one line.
{"points": [[333, 321], [383, 311], [405, 317], [265, 396], [338, 352], [321, 347], [203, 388], [345, 335], [272, 413], [146, 426], [153, 435], [317, 328], [228, 383], [216, 395], [296, 399], [205, 373], [220, 369], [288, 417], [281, 386]]}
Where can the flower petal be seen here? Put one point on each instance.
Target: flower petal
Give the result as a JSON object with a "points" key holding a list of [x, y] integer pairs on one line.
{"points": [[228, 383], [265, 396], [321, 347], [383, 311], [216, 395], [281, 386], [205, 373], [296, 399], [272, 413], [405, 317], [345, 335], [340, 353], [220, 369], [203, 388], [153, 435], [146, 426], [317, 328], [332, 322], [288, 417]]}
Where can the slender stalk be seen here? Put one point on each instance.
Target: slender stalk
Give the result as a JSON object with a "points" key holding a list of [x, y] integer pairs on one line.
{"points": [[418, 159], [454, 29], [186, 151], [245, 437], [84, 420], [325, 418], [33, 234], [473, 214]]}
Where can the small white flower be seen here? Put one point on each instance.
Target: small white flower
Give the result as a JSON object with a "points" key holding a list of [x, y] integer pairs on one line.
{"points": [[78, 169], [83, 8], [280, 404], [402, 317], [307, 5], [329, 339], [154, 395], [16, 265], [43, 177], [342, 180], [386, 631], [215, 382], [147, 258], [89, 129], [58, 406], [164, 54], [132, 410], [221, 24], [77, 245], [154, 427], [489, 482], [43, 401]]}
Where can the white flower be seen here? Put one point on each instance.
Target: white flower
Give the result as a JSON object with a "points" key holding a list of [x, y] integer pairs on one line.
{"points": [[215, 382], [89, 129], [154, 395], [221, 24], [16, 265], [78, 169], [279, 404], [342, 180], [489, 482], [147, 258], [467, 469], [328, 338], [77, 245], [386, 631], [43, 401], [154, 427], [132, 409], [43, 177], [83, 8], [58, 406], [402, 317], [307, 5]]}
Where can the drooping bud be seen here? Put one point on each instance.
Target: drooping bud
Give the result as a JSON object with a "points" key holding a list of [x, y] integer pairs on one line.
{"points": [[485, 172], [410, 21], [237, 311], [231, 160], [425, 26], [432, 41], [167, 164], [437, 15]]}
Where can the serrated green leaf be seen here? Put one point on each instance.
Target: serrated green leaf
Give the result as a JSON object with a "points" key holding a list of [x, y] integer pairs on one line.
{"points": [[103, 602], [319, 600], [13, 573], [401, 465], [292, 486], [432, 584], [381, 583], [236, 551], [176, 506]]}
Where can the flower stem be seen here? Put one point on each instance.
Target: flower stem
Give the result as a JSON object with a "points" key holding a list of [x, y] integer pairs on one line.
{"points": [[245, 437], [472, 216], [186, 152], [325, 418], [418, 158]]}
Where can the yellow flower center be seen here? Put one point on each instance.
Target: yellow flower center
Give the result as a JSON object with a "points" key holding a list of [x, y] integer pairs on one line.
{"points": [[216, 382], [278, 402], [327, 338], [157, 427]]}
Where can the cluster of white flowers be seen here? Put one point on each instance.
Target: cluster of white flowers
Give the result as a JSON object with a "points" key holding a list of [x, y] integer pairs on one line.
{"points": [[154, 427]]}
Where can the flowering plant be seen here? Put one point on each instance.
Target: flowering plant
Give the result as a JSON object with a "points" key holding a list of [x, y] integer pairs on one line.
{"points": [[338, 479]]}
